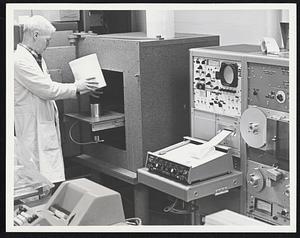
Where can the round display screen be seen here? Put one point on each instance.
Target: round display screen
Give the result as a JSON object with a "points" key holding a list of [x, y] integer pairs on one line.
{"points": [[228, 74]]}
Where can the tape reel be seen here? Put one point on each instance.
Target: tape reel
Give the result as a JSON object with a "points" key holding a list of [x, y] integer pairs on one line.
{"points": [[253, 127]]}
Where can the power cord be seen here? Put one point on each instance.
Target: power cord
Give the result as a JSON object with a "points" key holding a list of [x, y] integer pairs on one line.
{"points": [[81, 143], [171, 208]]}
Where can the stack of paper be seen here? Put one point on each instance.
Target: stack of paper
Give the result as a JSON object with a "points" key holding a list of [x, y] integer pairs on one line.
{"points": [[87, 67]]}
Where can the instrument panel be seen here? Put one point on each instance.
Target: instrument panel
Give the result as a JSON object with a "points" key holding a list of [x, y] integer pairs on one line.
{"points": [[268, 86], [217, 86], [268, 193]]}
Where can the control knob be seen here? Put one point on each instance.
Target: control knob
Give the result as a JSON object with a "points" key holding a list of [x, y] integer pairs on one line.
{"points": [[287, 191], [279, 97], [150, 159], [284, 212], [254, 179]]}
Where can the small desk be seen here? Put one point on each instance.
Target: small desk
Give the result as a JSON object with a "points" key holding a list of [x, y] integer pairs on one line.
{"points": [[188, 193], [191, 193]]}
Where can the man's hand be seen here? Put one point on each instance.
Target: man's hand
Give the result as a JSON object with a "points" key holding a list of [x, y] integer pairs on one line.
{"points": [[86, 85], [96, 93]]}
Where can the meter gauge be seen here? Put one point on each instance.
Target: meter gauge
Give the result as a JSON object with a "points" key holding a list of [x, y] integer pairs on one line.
{"points": [[263, 206]]}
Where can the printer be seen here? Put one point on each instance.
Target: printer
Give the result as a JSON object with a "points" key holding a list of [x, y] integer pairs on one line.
{"points": [[192, 160]]}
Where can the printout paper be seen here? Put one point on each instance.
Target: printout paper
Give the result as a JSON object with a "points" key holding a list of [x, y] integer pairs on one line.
{"points": [[87, 67]]}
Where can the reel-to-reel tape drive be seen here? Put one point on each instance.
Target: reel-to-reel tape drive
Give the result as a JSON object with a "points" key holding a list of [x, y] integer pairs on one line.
{"points": [[264, 127], [239, 88]]}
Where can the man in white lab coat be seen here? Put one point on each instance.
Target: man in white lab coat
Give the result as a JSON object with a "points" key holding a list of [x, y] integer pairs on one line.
{"points": [[36, 115]]}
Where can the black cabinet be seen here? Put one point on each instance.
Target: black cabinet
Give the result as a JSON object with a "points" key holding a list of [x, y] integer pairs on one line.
{"points": [[105, 21]]}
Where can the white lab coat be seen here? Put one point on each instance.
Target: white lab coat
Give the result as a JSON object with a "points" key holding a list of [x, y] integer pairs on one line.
{"points": [[36, 115]]}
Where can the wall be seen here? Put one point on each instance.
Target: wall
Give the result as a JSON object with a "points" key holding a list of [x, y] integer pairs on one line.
{"points": [[18, 13], [138, 20], [233, 26], [51, 15]]}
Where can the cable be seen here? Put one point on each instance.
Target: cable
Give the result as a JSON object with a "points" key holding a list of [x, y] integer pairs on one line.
{"points": [[76, 142], [171, 208], [148, 209], [180, 212]]}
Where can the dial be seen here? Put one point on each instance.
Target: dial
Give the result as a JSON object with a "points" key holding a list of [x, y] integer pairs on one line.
{"points": [[280, 96]]}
